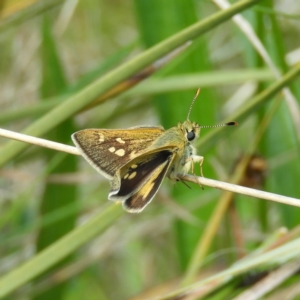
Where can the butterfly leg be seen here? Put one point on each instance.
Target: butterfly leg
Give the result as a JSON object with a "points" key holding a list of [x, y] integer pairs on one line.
{"points": [[200, 160]]}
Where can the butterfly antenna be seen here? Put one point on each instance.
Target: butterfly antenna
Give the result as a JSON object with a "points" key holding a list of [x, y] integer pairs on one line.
{"points": [[194, 99], [220, 125]]}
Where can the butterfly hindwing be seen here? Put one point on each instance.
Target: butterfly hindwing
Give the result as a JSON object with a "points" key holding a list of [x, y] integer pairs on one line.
{"points": [[138, 201], [140, 179], [107, 150]]}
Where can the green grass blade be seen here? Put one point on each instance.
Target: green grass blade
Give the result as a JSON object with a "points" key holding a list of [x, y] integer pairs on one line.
{"points": [[59, 250], [55, 195]]}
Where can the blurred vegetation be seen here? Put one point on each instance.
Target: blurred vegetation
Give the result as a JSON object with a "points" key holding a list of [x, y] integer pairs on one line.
{"points": [[59, 236]]}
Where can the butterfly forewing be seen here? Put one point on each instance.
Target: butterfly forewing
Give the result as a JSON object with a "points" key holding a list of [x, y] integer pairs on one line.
{"points": [[107, 150], [141, 179]]}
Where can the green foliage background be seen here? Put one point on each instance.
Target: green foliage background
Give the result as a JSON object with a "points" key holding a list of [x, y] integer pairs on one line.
{"points": [[56, 57]]}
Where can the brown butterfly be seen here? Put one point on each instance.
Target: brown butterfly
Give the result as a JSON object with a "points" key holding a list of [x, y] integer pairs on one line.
{"points": [[137, 159]]}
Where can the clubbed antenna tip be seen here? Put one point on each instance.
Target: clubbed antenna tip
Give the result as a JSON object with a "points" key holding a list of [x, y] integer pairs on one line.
{"points": [[232, 123]]}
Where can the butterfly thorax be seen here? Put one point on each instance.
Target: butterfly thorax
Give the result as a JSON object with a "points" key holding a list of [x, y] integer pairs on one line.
{"points": [[179, 140]]}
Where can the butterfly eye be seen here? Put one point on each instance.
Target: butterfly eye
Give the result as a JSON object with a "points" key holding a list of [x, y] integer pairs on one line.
{"points": [[190, 135]]}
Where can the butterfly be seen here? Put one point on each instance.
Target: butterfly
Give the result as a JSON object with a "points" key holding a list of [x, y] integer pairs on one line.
{"points": [[137, 159]]}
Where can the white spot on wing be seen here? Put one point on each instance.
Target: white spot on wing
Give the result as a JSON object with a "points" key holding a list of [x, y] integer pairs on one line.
{"points": [[101, 138], [112, 149], [119, 140], [120, 152]]}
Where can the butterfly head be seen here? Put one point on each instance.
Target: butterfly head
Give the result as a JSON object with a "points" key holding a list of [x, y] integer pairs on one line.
{"points": [[191, 130]]}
